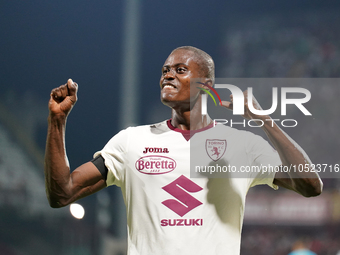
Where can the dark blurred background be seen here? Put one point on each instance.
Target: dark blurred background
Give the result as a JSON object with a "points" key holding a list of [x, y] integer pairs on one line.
{"points": [[115, 50]]}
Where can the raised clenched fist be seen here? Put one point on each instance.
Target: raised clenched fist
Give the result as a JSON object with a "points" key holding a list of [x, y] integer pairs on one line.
{"points": [[63, 98]]}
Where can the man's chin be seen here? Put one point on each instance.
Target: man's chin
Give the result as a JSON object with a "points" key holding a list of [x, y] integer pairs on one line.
{"points": [[174, 104], [167, 102], [170, 101]]}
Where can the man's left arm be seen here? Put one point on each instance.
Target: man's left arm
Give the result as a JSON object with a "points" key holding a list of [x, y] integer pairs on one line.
{"points": [[303, 179]]}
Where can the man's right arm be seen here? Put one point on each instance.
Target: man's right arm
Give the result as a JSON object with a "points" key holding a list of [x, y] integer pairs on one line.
{"points": [[62, 186]]}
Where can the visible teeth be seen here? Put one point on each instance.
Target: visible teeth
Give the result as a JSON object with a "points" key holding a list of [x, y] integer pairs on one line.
{"points": [[168, 86]]}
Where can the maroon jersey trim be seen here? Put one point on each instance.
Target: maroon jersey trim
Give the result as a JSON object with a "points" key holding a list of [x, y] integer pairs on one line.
{"points": [[187, 134]]}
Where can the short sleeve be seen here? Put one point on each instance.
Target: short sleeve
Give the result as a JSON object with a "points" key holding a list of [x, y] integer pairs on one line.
{"points": [[266, 159], [114, 154]]}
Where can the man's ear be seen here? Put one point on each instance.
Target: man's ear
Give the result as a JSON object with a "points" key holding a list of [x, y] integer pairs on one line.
{"points": [[207, 81], [204, 83]]}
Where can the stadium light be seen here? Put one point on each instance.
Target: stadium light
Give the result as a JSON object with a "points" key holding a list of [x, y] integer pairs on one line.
{"points": [[77, 211]]}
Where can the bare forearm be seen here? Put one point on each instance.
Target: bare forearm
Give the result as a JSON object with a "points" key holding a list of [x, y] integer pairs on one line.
{"points": [[62, 186], [57, 170], [304, 181], [293, 156], [290, 152]]}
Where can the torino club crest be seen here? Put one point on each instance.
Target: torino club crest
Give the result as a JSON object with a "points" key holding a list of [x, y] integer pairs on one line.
{"points": [[215, 148]]}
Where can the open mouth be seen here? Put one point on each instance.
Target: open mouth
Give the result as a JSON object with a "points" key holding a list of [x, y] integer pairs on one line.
{"points": [[168, 85]]}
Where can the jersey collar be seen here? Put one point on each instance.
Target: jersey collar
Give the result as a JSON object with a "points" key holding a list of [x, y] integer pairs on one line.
{"points": [[187, 134]]}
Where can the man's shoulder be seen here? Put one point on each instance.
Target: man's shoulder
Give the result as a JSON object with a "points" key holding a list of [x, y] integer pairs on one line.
{"points": [[138, 133], [224, 129], [156, 128], [149, 126]]}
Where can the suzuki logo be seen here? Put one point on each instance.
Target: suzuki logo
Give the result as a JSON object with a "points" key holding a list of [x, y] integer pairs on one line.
{"points": [[184, 202]]}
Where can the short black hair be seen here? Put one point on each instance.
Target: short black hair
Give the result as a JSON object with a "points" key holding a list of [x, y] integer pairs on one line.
{"points": [[204, 60]]}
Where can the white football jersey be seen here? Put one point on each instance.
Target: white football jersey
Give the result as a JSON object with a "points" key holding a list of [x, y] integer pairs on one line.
{"points": [[168, 212]]}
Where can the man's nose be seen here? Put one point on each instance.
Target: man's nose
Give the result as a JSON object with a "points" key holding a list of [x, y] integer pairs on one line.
{"points": [[170, 75]]}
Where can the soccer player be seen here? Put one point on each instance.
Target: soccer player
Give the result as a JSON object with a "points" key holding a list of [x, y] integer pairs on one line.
{"points": [[167, 211]]}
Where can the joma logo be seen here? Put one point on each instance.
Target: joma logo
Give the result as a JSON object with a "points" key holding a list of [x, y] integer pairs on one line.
{"points": [[155, 150]]}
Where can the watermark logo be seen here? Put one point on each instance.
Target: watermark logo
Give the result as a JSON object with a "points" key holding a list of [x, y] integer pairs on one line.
{"points": [[239, 101], [208, 92]]}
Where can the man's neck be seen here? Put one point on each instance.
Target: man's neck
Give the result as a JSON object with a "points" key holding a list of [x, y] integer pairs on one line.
{"points": [[189, 120]]}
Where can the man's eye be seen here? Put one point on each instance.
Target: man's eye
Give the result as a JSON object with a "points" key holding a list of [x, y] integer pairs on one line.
{"points": [[181, 69]]}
